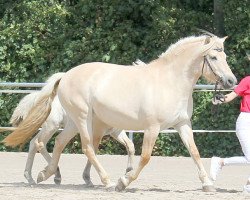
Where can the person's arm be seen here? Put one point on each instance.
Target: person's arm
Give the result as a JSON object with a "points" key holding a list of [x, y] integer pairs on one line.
{"points": [[228, 97], [231, 96]]}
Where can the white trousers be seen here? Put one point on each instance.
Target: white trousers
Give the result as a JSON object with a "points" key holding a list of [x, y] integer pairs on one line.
{"points": [[243, 134]]}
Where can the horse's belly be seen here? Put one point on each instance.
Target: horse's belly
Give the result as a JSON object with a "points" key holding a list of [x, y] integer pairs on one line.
{"points": [[118, 119]]}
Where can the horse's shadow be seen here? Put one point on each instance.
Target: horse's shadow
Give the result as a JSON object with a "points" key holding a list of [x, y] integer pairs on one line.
{"points": [[226, 191], [53, 186], [101, 187], [76, 187], [134, 190], [218, 190]]}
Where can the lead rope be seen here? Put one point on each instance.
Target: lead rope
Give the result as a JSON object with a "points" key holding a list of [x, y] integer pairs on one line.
{"points": [[217, 93], [217, 96]]}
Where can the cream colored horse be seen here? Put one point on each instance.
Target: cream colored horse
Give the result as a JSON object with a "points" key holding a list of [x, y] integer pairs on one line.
{"points": [[150, 98], [58, 119]]}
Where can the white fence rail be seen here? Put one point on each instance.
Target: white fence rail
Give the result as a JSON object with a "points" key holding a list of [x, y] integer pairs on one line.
{"points": [[39, 85], [198, 88], [19, 85]]}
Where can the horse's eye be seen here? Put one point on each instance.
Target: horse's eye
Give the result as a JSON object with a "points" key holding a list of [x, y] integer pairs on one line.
{"points": [[213, 57]]}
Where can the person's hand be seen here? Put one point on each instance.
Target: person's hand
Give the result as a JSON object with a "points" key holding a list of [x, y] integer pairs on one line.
{"points": [[216, 101]]}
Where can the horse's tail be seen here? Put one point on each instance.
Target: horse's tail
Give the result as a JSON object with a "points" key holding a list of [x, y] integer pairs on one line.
{"points": [[23, 108], [27, 102], [3, 129], [36, 116]]}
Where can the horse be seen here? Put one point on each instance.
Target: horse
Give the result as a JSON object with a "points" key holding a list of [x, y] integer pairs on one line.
{"points": [[58, 119], [150, 98]]}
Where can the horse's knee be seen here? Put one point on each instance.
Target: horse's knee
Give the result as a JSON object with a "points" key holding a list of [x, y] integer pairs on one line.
{"points": [[39, 145], [145, 159], [194, 152], [127, 143], [88, 151], [59, 144], [32, 144], [131, 148]]}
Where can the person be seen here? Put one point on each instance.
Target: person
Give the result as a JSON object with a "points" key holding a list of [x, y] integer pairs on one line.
{"points": [[242, 130]]}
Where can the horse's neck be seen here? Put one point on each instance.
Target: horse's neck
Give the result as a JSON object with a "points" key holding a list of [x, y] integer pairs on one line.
{"points": [[180, 71]]}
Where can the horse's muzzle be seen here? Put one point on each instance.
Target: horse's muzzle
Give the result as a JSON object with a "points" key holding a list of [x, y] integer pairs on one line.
{"points": [[229, 82]]}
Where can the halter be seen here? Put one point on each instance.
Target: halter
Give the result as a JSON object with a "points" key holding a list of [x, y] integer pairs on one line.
{"points": [[206, 60], [217, 95]]}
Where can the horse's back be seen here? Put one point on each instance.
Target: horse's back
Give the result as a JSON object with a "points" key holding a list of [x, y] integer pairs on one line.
{"points": [[121, 96], [93, 77], [107, 88]]}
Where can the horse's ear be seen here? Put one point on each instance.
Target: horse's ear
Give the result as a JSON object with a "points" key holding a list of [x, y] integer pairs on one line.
{"points": [[207, 40], [208, 43], [224, 38]]}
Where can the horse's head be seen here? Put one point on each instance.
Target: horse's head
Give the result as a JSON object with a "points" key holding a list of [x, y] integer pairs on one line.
{"points": [[215, 67]]}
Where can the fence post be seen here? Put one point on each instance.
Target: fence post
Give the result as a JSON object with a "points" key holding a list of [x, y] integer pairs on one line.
{"points": [[130, 135]]}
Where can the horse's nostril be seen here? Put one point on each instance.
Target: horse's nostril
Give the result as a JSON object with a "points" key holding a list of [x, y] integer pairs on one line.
{"points": [[230, 82]]}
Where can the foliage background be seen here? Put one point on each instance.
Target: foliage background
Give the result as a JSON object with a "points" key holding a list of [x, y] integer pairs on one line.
{"points": [[39, 38]]}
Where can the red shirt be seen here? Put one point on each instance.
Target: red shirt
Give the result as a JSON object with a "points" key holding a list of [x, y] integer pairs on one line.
{"points": [[243, 90]]}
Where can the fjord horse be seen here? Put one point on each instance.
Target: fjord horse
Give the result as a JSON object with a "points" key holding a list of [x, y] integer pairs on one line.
{"points": [[150, 98]]}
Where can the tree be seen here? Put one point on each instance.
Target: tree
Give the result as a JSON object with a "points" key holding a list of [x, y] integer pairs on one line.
{"points": [[219, 28]]}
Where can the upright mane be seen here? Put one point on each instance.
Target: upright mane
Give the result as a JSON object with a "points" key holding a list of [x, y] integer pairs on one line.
{"points": [[178, 47]]}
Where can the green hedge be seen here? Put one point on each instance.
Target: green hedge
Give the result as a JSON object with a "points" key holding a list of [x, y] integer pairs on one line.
{"points": [[39, 38]]}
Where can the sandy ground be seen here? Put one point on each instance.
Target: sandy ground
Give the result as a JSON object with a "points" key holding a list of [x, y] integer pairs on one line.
{"points": [[163, 178]]}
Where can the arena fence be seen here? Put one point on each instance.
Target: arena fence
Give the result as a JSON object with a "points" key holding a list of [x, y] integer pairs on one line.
{"points": [[18, 88]]}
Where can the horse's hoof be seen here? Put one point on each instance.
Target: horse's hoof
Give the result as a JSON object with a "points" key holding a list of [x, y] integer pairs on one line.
{"points": [[57, 180], [40, 177], [87, 181], [129, 169], [90, 184], [208, 188], [120, 186], [29, 178], [31, 182], [110, 187]]}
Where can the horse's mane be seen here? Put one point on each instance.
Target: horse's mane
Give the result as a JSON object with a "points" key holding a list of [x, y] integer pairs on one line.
{"points": [[175, 49], [27, 102]]}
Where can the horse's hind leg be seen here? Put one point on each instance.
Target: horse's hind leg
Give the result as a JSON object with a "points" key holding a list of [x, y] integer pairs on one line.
{"points": [[38, 143], [186, 135], [83, 120], [30, 160], [60, 142], [122, 137], [41, 147]]}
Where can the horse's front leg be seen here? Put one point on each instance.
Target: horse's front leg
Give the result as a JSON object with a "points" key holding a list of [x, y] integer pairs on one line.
{"points": [[186, 135], [149, 139]]}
